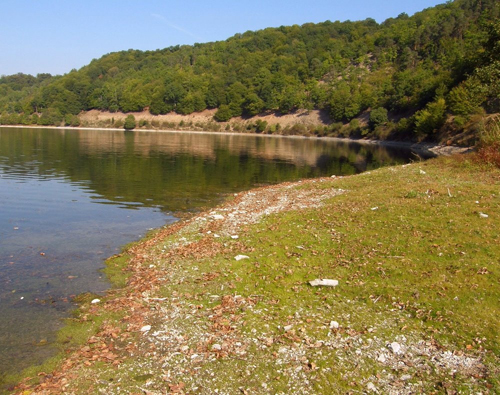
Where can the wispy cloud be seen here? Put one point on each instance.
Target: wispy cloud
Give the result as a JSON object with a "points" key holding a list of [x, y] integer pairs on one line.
{"points": [[173, 26]]}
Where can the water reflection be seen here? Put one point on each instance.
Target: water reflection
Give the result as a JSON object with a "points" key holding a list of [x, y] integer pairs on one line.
{"points": [[174, 167]]}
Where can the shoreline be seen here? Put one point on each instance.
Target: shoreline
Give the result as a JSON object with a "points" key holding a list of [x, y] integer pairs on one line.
{"points": [[426, 149], [189, 327]]}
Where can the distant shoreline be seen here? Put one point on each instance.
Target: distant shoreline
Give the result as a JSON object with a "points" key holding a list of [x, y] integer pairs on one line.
{"points": [[425, 149]]}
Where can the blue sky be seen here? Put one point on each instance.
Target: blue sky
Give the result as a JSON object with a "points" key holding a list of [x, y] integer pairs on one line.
{"points": [[55, 36]]}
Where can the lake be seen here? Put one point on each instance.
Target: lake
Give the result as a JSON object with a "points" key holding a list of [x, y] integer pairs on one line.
{"points": [[71, 198]]}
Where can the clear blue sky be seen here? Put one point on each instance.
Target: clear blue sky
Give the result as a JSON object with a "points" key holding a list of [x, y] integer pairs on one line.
{"points": [[55, 36]]}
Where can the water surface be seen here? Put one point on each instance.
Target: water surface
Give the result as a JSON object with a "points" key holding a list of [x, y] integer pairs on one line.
{"points": [[70, 198]]}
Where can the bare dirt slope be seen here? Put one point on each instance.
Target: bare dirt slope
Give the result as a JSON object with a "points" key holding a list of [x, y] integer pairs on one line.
{"points": [[99, 118]]}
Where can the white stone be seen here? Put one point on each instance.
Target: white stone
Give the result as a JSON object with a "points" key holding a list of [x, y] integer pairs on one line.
{"points": [[483, 215], [334, 325], [146, 328], [395, 347], [371, 387], [381, 358], [95, 301], [235, 237], [217, 216], [216, 347], [288, 328], [324, 282], [240, 257]]}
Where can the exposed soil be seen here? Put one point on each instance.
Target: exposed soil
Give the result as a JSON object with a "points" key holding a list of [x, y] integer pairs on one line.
{"points": [[313, 117]]}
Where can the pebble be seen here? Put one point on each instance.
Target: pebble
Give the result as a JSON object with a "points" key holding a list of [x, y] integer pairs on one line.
{"points": [[95, 301], [371, 387], [216, 347], [324, 282], [288, 328], [334, 325], [483, 215], [235, 237], [217, 216], [240, 257], [395, 347], [381, 358], [146, 328]]}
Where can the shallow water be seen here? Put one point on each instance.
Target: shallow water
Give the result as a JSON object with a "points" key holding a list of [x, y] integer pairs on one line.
{"points": [[70, 198]]}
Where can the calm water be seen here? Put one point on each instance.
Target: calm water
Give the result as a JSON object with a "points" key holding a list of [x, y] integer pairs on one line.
{"points": [[70, 198]]}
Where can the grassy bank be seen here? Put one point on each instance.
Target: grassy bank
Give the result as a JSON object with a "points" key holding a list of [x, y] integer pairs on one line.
{"points": [[415, 249]]}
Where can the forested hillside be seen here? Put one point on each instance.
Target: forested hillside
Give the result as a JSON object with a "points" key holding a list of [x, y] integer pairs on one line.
{"points": [[406, 75]]}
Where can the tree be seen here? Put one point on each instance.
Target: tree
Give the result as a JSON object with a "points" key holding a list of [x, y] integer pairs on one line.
{"points": [[129, 122], [378, 117], [253, 105], [431, 118]]}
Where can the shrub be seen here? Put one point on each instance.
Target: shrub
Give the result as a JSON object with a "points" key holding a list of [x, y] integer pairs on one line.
{"points": [[354, 127], [223, 114], [489, 143], [75, 121], [129, 122], [378, 117], [297, 130], [431, 118], [260, 126], [334, 128]]}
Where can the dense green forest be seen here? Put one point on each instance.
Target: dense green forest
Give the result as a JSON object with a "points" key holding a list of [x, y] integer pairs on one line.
{"points": [[407, 75]]}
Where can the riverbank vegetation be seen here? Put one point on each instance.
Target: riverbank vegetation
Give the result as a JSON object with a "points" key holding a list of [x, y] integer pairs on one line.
{"points": [[416, 308], [434, 75]]}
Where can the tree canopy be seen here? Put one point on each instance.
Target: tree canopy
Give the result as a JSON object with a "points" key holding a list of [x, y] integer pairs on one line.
{"points": [[447, 55]]}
